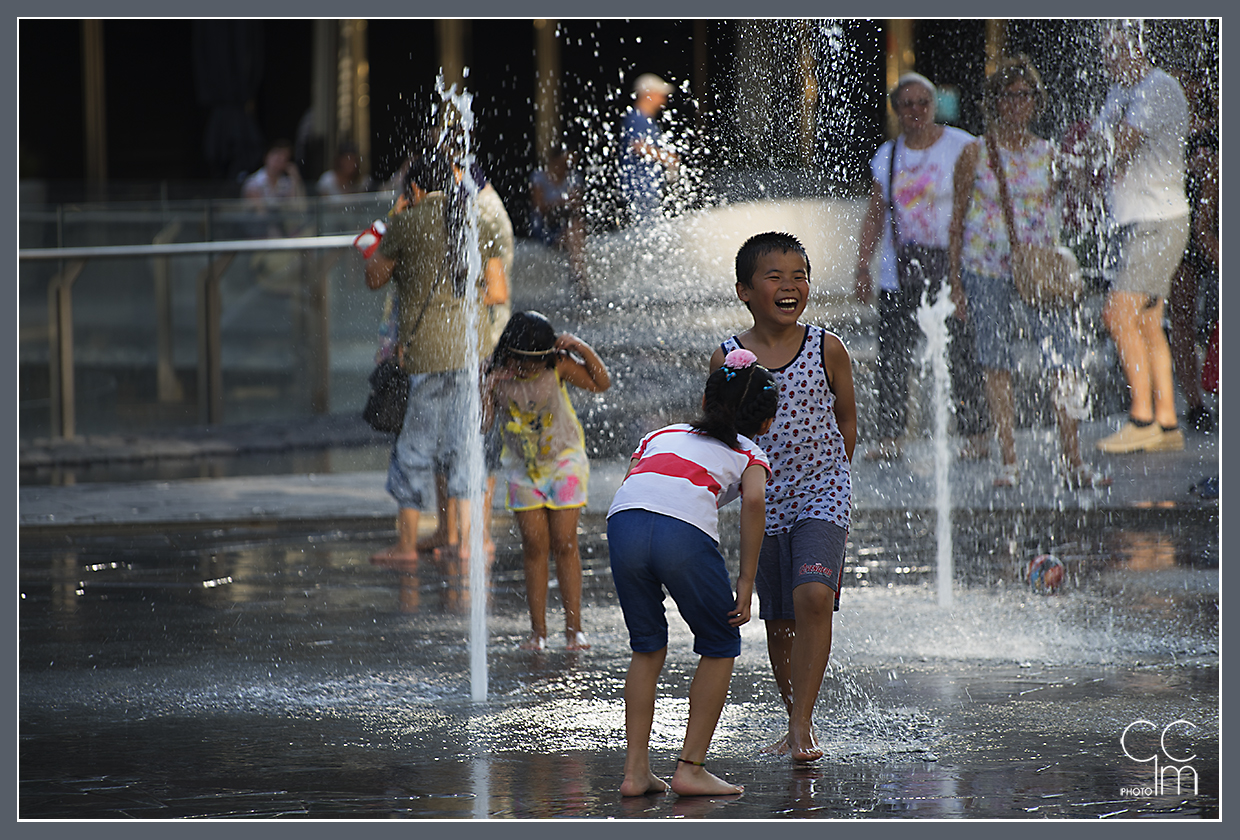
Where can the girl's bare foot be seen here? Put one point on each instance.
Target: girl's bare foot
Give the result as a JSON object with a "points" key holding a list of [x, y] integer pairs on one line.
{"points": [[394, 555], [534, 642], [640, 786], [576, 641], [696, 780]]}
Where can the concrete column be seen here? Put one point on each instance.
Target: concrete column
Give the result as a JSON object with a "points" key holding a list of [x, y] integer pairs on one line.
{"points": [[95, 119], [996, 43], [323, 87], [807, 65], [361, 91], [900, 60], [451, 36], [546, 88]]}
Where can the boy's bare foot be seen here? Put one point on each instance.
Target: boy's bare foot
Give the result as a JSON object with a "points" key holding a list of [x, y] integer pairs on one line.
{"points": [[641, 786], [394, 555], [534, 642], [803, 746], [576, 641], [695, 780]]}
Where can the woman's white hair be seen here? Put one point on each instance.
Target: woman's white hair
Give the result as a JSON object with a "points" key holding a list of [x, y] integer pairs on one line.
{"points": [[914, 78]]}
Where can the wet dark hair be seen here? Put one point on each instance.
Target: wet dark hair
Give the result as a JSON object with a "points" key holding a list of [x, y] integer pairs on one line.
{"points": [[527, 336], [760, 245], [431, 169], [737, 402]]}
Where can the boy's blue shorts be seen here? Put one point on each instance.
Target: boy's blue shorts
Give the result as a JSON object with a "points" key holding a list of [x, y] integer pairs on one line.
{"points": [[812, 551], [650, 551]]}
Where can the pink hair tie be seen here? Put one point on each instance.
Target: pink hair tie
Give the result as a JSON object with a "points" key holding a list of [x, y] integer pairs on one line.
{"points": [[739, 359]]}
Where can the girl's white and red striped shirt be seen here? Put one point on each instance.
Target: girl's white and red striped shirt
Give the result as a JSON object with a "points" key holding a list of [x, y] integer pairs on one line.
{"points": [[682, 473]]}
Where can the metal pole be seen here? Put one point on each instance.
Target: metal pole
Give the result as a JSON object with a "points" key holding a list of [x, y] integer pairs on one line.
{"points": [[60, 349], [546, 89], [320, 328], [210, 367], [167, 387]]}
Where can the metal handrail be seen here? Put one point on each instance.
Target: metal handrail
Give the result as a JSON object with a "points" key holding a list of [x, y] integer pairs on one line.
{"points": [[184, 249], [60, 312]]}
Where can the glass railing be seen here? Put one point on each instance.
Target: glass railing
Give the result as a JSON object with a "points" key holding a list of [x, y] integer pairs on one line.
{"points": [[137, 316]]}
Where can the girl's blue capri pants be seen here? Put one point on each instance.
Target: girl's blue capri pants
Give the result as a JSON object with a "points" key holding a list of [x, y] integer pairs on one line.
{"points": [[650, 551]]}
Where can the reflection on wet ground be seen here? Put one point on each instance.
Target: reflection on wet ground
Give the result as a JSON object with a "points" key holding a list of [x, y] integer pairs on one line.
{"points": [[235, 674]]}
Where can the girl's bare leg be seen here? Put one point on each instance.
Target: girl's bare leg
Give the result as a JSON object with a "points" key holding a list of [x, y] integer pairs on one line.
{"points": [[639, 691], [563, 528], [535, 545], [707, 694]]}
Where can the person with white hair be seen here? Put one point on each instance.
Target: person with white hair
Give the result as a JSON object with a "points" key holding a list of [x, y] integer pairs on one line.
{"points": [[646, 161], [906, 222]]}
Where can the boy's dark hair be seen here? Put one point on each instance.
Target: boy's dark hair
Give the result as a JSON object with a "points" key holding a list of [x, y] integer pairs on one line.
{"points": [[738, 401], [527, 336], [761, 244]]}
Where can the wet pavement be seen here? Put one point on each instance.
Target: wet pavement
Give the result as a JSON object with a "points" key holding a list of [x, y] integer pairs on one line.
{"points": [[223, 648]]}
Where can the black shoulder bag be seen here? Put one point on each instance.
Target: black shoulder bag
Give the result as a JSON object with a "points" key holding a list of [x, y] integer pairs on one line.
{"points": [[918, 266]]}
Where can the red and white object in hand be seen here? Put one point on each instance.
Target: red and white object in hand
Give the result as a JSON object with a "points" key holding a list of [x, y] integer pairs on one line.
{"points": [[367, 241]]}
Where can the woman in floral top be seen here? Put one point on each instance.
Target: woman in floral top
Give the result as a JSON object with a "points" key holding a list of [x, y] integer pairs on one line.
{"points": [[982, 284]]}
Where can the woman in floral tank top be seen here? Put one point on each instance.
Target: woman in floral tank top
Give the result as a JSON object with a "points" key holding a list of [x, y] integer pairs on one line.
{"points": [[982, 284]]}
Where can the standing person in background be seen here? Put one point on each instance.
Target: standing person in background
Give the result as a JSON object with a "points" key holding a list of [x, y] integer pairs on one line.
{"points": [[497, 245], [981, 263], [645, 160], [557, 214], [1141, 132], [424, 254], [912, 177], [548, 472]]}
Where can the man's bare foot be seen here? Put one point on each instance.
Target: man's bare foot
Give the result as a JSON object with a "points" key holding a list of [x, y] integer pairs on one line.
{"points": [[576, 640], [435, 540], [394, 555], [534, 642], [695, 780], [780, 747], [641, 786]]}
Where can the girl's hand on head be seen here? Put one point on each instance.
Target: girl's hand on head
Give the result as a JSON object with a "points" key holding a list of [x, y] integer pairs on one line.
{"points": [[567, 341]]}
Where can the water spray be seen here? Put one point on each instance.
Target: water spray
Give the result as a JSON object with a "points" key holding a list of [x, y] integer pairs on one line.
{"points": [[458, 107], [932, 317]]}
